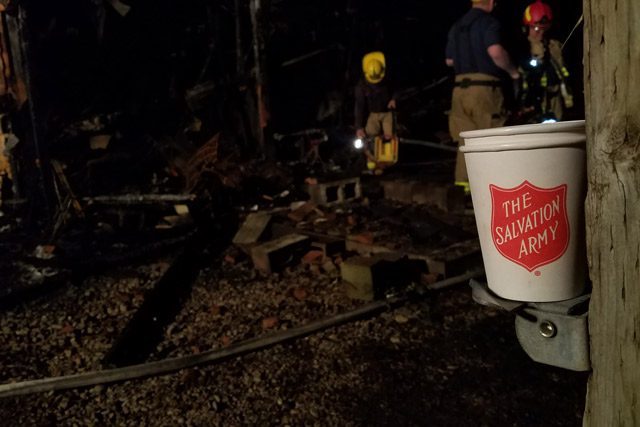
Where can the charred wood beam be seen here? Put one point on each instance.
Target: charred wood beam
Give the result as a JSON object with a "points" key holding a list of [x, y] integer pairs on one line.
{"points": [[41, 185], [309, 55], [257, 9], [238, 33], [212, 47], [75, 269], [64, 183], [163, 302], [201, 93], [99, 262], [139, 199], [161, 305], [14, 202]]}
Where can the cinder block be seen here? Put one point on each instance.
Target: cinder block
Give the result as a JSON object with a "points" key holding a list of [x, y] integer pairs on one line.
{"points": [[398, 190], [334, 192], [252, 230], [328, 245], [358, 275], [302, 212], [455, 260], [274, 255], [368, 278]]}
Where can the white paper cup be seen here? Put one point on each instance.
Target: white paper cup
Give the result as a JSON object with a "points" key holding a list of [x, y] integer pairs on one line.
{"points": [[528, 187]]}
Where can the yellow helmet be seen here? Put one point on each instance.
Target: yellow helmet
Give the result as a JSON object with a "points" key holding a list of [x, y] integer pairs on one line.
{"points": [[373, 66]]}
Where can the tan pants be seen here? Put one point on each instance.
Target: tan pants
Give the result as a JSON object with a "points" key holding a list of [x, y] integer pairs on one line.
{"points": [[554, 98], [379, 123], [474, 107]]}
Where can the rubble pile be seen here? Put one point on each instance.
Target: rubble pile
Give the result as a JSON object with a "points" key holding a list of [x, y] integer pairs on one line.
{"points": [[292, 261]]}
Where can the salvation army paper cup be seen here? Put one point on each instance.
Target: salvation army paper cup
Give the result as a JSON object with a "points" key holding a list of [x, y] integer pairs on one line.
{"points": [[528, 187]]}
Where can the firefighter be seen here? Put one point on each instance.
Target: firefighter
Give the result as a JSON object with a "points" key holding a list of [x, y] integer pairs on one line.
{"points": [[374, 97], [475, 51], [545, 92]]}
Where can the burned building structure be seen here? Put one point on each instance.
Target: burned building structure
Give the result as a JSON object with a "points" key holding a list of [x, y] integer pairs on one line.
{"points": [[207, 147]]}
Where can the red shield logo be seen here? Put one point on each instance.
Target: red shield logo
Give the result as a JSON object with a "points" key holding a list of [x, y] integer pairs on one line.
{"points": [[529, 224]]}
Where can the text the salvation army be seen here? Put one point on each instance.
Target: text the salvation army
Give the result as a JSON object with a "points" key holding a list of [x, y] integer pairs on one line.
{"points": [[536, 227]]}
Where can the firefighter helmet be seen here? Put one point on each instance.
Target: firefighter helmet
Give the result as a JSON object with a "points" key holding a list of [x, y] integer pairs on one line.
{"points": [[538, 14], [373, 66]]}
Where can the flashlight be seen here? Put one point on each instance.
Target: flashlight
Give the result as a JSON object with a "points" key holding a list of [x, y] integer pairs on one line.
{"points": [[533, 62], [358, 144]]}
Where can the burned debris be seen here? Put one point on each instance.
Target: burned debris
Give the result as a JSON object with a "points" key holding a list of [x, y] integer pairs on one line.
{"points": [[180, 188]]}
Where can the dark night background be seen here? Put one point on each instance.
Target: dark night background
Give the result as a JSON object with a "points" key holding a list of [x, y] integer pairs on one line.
{"points": [[141, 64], [411, 33]]}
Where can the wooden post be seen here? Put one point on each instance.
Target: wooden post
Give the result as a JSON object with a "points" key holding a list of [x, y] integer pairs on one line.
{"points": [[37, 172], [238, 33], [612, 95], [257, 8]]}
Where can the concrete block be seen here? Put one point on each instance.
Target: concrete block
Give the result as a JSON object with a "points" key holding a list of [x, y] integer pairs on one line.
{"points": [[302, 212], [398, 190], [368, 278], [359, 275], [276, 254], [335, 192], [328, 245], [252, 230], [455, 260]]}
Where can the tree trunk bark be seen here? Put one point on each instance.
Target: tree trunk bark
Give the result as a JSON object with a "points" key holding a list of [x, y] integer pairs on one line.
{"points": [[612, 92]]}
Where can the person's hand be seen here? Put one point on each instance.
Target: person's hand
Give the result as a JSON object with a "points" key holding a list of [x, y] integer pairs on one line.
{"points": [[392, 104], [361, 134], [515, 75]]}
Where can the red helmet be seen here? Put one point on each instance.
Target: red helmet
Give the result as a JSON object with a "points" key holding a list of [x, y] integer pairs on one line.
{"points": [[538, 14]]}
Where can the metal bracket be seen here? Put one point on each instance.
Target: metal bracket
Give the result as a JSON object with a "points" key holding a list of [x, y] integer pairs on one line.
{"points": [[553, 333]]}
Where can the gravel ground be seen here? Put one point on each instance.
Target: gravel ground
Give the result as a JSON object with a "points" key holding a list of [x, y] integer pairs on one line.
{"points": [[71, 331], [445, 361]]}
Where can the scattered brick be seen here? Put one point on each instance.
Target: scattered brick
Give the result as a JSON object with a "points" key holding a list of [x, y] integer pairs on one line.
{"points": [[278, 253], [270, 322], [313, 257]]}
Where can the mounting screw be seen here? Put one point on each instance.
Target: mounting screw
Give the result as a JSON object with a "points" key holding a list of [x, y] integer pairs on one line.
{"points": [[547, 329]]}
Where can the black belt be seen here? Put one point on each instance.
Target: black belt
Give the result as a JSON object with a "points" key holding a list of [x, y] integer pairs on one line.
{"points": [[468, 82]]}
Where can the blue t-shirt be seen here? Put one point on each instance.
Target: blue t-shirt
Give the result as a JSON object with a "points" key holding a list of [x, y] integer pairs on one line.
{"points": [[468, 41]]}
